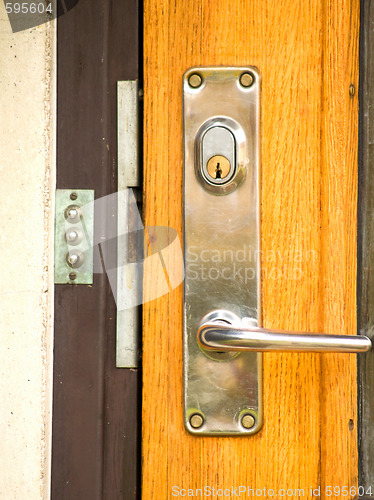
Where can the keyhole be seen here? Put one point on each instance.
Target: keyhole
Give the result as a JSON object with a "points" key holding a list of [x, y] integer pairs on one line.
{"points": [[218, 171]]}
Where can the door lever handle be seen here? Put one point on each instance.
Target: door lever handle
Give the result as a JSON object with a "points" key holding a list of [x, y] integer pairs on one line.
{"points": [[220, 334]]}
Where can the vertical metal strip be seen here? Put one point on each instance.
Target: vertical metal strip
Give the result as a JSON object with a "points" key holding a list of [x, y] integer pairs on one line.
{"points": [[128, 177]]}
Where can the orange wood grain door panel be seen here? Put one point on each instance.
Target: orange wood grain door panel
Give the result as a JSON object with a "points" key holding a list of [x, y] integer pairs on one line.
{"points": [[307, 54]]}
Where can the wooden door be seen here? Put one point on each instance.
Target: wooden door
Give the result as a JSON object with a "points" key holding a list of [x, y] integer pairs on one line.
{"points": [[307, 54]]}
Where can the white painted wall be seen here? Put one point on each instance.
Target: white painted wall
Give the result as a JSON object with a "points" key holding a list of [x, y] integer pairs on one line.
{"points": [[27, 184]]}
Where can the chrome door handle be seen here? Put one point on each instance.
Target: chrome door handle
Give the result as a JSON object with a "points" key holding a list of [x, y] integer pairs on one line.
{"points": [[221, 331]]}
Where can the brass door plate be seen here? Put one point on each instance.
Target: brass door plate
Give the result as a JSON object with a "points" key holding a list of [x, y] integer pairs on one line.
{"points": [[222, 391]]}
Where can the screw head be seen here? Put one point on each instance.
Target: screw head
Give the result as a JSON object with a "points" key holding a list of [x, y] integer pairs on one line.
{"points": [[72, 214], [71, 236], [75, 259], [248, 421], [72, 276], [196, 420], [246, 79], [195, 80], [352, 90], [73, 196]]}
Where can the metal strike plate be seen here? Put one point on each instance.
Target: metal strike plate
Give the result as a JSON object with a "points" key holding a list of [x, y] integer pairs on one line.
{"points": [[74, 226], [222, 391], [129, 183]]}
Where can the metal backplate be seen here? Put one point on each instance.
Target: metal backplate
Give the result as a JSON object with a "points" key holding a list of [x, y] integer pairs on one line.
{"points": [[81, 200], [222, 391]]}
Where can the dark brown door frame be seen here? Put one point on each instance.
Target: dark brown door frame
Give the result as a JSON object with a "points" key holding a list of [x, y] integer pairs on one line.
{"points": [[96, 407], [365, 290]]}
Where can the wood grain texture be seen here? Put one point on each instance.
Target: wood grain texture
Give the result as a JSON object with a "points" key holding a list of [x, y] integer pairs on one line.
{"points": [[307, 53]]}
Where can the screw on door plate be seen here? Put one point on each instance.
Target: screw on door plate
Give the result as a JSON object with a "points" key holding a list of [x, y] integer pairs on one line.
{"points": [[246, 79], [195, 80], [248, 421], [196, 420]]}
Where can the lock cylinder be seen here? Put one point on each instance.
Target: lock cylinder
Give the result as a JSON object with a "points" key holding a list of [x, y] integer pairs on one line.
{"points": [[218, 155]]}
